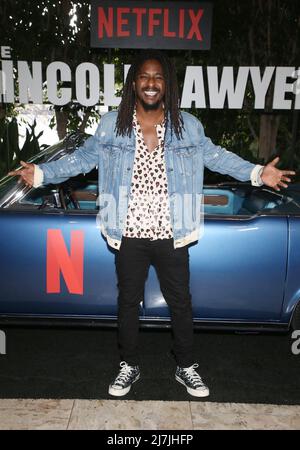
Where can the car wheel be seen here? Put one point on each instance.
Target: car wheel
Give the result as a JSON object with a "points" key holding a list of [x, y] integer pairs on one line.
{"points": [[296, 318]]}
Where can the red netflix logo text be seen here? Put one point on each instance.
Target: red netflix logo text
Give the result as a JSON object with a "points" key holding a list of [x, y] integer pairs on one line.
{"points": [[141, 24], [62, 262], [156, 18]]}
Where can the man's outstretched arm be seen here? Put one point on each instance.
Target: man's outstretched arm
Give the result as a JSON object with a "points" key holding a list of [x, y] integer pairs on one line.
{"points": [[223, 161], [82, 160]]}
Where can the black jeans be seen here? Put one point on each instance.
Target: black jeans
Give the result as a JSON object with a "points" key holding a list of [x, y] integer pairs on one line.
{"points": [[172, 268]]}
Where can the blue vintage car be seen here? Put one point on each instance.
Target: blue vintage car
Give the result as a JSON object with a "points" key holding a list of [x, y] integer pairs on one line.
{"points": [[56, 266]]}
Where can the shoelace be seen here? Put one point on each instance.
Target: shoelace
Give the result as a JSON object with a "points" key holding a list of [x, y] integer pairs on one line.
{"points": [[192, 375], [125, 373]]}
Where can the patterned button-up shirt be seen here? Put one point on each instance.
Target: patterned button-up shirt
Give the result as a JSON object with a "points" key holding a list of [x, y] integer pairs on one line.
{"points": [[148, 214]]}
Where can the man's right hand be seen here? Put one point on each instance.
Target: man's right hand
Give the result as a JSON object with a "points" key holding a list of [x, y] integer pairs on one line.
{"points": [[26, 174]]}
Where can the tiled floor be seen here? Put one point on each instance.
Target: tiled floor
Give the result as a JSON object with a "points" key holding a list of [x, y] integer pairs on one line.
{"points": [[144, 415]]}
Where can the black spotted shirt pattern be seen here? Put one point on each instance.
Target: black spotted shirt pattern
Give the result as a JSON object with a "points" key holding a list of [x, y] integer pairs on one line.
{"points": [[148, 214]]}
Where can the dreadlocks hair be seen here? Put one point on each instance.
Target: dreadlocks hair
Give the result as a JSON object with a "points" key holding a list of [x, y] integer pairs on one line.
{"points": [[171, 100]]}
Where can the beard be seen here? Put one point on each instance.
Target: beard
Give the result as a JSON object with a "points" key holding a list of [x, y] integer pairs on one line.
{"points": [[151, 107]]}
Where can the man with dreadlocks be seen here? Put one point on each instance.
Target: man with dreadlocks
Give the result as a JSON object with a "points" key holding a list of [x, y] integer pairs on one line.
{"points": [[150, 158]]}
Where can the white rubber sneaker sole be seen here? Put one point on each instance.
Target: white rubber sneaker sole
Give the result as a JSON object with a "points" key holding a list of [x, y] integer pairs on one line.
{"points": [[203, 392], [120, 392]]}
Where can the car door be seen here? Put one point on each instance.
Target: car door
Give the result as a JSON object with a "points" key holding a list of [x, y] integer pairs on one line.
{"points": [[237, 268], [55, 262]]}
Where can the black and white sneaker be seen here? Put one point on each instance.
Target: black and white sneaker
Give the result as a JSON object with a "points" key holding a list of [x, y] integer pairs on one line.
{"points": [[125, 378], [192, 381]]}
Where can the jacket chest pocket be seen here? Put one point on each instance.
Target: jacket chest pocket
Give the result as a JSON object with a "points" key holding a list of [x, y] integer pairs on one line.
{"points": [[111, 151], [185, 160], [117, 163], [110, 166]]}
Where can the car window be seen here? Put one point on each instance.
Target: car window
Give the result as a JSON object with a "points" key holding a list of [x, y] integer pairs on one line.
{"points": [[13, 194], [248, 201], [80, 192]]}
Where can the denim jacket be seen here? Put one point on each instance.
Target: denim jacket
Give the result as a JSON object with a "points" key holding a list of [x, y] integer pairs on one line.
{"points": [[185, 159]]}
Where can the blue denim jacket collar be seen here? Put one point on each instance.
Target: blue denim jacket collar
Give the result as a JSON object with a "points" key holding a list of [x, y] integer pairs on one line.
{"points": [[170, 137]]}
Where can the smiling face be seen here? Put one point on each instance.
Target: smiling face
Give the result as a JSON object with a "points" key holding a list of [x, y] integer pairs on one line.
{"points": [[149, 85]]}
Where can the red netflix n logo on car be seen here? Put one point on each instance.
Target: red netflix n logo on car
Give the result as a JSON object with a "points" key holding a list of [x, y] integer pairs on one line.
{"points": [[61, 262], [139, 24]]}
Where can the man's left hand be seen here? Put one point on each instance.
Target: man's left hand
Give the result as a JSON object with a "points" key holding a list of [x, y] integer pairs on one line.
{"points": [[275, 178]]}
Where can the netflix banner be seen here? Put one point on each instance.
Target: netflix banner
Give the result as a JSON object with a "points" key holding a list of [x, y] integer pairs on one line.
{"points": [[139, 24]]}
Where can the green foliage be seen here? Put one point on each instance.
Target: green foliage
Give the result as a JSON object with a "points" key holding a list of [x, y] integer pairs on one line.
{"points": [[50, 31], [10, 153], [78, 117]]}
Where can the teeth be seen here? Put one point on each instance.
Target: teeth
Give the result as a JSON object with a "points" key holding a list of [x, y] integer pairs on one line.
{"points": [[151, 93]]}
